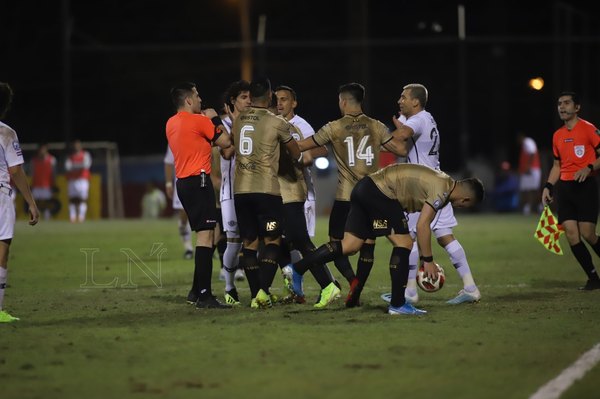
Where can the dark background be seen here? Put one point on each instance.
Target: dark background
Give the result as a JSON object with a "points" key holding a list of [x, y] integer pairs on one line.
{"points": [[102, 70]]}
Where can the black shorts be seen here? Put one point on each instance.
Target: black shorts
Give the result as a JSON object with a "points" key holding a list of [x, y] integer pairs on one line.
{"points": [[294, 223], [337, 219], [578, 201], [372, 214], [198, 202], [258, 215]]}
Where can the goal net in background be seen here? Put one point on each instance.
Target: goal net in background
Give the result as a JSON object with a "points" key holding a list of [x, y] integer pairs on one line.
{"points": [[105, 196]]}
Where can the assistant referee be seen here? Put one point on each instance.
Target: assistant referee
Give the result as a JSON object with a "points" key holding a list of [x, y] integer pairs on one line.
{"points": [[191, 133]]}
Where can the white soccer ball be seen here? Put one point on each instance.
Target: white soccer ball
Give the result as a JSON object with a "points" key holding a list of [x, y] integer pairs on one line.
{"points": [[427, 284]]}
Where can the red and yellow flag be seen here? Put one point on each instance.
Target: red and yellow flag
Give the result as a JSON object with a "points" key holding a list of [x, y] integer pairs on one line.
{"points": [[548, 232]]}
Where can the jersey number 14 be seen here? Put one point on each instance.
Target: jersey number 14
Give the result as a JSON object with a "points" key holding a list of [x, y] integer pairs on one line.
{"points": [[363, 151]]}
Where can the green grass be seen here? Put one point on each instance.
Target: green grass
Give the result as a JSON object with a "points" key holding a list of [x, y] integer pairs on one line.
{"points": [[118, 341]]}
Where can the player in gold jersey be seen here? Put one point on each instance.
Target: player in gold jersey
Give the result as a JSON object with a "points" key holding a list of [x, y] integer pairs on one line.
{"points": [[355, 140], [377, 207]]}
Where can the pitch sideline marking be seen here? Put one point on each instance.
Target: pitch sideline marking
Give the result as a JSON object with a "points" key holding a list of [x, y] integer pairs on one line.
{"points": [[554, 388]]}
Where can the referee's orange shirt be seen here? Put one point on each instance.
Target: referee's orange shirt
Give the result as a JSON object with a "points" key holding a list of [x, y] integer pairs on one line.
{"points": [[189, 136], [575, 148]]}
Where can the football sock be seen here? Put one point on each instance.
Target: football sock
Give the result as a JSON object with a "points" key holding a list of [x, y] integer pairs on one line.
{"points": [[268, 264], [82, 211], [413, 261], [3, 276], [399, 274], [458, 257], [412, 277], [250, 265], [342, 263], [585, 260], [596, 247], [72, 212], [185, 232], [325, 253], [221, 246], [320, 272], [230, 263], [365, 262], [203, 271]]}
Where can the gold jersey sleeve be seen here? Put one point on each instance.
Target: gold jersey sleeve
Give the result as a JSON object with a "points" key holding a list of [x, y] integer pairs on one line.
{"points": [[291, 178], [414, 185], [257, 135], [355, 142]]}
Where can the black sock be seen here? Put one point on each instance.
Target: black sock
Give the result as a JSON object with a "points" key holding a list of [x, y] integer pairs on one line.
{"points": [[585, 260], [366, 259], [399, 274], [221, 247], [596, 247], [342, 263], [325, 253], [203, 272], [268, 264], [320, 271], [250, 264]]}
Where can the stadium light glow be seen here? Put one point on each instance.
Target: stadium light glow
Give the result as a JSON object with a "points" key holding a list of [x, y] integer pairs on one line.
{"points": [[322, 163], [536, 83]]}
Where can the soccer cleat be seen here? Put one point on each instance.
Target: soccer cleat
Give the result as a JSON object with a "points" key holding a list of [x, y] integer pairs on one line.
{"points": [[406, 309], [274, 299], [188, 254], [353, 298], [328, 295], [239, 275], [590, 285], [253, 304], [5, 317], [211, 302], [465, 297], [292, 282], [232, 298], [263, 300], [192, 298], [387, 297]]}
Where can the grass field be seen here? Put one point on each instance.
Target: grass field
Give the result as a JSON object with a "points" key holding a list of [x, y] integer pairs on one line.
{"points": [[122, 336]]}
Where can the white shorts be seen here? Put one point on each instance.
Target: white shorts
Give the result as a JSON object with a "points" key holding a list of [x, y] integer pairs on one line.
{"points": [[442, 223], [530, 181], [41, 193], [7, 220], [79, 188], [230, 224], [176, 203], [310, 212]]}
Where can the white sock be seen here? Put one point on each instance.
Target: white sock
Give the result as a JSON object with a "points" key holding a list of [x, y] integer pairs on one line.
{"points": [[185, 232], [3, 274], [72, 212], [230, 263], [413, 260], [459, 259], [82, 211]]}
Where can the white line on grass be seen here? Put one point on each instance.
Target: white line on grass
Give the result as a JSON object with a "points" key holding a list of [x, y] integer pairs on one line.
{"points": [[554, 388]]}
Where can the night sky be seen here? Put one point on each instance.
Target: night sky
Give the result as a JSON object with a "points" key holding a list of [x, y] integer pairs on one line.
{"points": [[125, 55]]}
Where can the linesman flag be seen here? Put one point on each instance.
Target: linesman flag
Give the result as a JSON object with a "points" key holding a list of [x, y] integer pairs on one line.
{"points": [[548, 232]]}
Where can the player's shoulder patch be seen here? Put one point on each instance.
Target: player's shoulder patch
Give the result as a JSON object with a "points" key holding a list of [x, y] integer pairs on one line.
{"points": [[17, 148]]}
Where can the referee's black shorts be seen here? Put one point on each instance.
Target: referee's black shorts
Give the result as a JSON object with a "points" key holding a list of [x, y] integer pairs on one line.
{"points": [[198, 202], [578, 201], [373, 214]]}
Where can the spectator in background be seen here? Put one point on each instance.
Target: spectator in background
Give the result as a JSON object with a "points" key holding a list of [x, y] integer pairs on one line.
{"points": [[42, 179], [506, 189], [78, 176], [154, 202], [530, 175]]}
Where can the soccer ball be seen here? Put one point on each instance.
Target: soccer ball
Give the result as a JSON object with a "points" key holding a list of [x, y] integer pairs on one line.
{"points": [[427, 284]]}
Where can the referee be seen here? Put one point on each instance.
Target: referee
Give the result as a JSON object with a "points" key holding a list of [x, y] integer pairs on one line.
{"points": [[191, 133]]}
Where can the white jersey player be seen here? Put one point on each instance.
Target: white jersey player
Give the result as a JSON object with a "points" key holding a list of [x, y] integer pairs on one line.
{"points": [[185, 231], [423, 148]]}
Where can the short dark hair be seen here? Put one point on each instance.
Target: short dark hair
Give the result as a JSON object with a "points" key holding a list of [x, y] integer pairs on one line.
{"points": [[288, 88], [235, 89], [476, 187], [260, 87], [6, 96], [180, 92], [573, 96], [356, 90], [419, 92]]}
